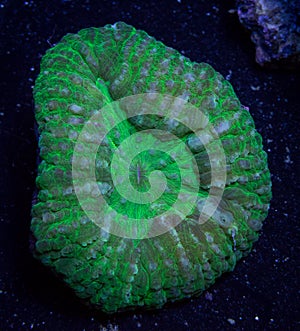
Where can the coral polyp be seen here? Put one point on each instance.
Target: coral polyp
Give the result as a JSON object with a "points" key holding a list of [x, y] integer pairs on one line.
{"points": [[169, 162]]}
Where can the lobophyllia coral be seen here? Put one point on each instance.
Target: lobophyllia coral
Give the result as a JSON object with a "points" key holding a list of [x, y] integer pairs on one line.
{"points": [[79, 76]]}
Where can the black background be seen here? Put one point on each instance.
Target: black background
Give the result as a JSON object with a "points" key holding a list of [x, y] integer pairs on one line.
{"points": [[263, 291]]}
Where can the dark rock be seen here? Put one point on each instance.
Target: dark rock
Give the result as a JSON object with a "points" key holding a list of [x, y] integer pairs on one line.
{"points": [[275, 30]]}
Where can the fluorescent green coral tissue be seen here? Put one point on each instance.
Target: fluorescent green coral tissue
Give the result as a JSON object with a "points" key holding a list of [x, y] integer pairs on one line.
{"points": [[152, 181]]}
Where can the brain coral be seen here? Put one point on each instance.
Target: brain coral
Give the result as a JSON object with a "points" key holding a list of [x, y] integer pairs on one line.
{"points": [[79, 76]]}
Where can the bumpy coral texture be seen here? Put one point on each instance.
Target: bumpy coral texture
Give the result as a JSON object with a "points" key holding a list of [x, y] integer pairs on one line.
{"points": [[85, 72]]}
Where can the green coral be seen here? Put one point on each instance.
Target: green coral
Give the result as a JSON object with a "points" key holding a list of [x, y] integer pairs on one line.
{"points": [[87, 71]]}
